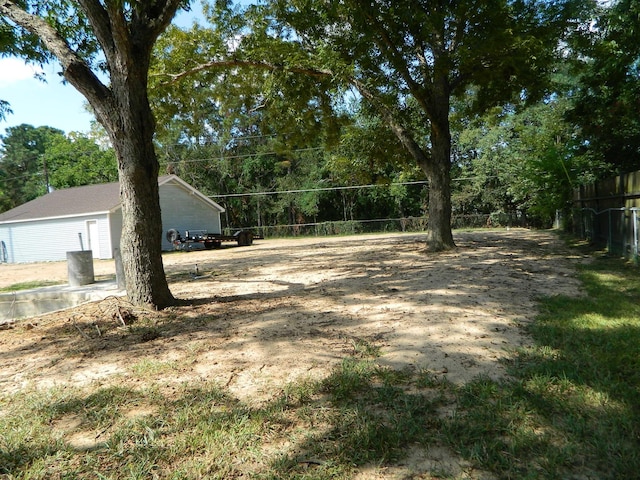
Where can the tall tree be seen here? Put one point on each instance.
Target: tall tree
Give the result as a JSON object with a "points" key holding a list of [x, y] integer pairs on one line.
{"points": [[23, 167], [114, 38], [77, 159], [607, 97], [522, 164], [408, 60], [33, 160]]}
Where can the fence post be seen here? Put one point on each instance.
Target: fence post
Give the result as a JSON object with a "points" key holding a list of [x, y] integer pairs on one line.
{"points": [[610, 234], [635, 235], [623, 219]]}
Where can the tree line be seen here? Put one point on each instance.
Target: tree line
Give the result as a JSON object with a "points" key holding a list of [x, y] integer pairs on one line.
{"points": [[502, 107]]}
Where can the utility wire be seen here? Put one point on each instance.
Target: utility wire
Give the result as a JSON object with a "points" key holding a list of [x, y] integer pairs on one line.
{"points": [[324, 189], [225, 157], [25, 175], [231, 139]]}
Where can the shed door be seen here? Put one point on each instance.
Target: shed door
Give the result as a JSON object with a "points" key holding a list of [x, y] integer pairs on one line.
{"points": [[93, 238]]}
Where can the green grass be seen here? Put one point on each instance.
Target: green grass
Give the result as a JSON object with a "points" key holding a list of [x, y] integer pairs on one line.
{"points": [[313, 430], [28, 285], [571, 410]]}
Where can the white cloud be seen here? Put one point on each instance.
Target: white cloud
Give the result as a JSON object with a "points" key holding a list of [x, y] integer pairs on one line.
{"points": [[14, 70]]}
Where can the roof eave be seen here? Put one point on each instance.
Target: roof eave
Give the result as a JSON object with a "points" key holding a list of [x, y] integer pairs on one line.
{"points": [[193, 191], [59, 217]]}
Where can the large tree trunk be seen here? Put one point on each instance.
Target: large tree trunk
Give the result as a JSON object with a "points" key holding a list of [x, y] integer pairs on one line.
{"points": [[126, 33], [141, 241], [131, 126], [438, 172], [438, 169]]}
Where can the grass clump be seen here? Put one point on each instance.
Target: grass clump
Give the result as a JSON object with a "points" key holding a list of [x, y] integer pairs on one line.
{"points": [[326, 429], [569, 410], [572, 408], [28, 285]]}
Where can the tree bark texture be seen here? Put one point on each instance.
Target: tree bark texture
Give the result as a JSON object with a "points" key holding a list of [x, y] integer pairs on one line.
{"points": [[438, 169], [130, 124], [126, 33], [438, 173], [141, 241]]}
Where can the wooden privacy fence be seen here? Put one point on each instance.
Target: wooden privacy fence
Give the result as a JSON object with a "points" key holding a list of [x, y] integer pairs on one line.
{"points": [[608, 214]]}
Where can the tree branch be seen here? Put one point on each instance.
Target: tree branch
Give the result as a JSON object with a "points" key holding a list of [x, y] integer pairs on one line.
{"points": [[74, 68], [163, 12], [36, 25], [393, 52], [401, 132], [100, 23], [313, 72], [398, 129]]}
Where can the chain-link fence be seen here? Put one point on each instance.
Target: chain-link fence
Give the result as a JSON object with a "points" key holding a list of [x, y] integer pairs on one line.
{"points": [[615, 229], [351, 227]]}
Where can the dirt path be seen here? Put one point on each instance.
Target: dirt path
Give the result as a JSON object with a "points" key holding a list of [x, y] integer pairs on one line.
{"points": [[267, 314], [259, 317]]}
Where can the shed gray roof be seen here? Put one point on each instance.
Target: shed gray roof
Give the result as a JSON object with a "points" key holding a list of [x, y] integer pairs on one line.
{"points": [[69, 202]]}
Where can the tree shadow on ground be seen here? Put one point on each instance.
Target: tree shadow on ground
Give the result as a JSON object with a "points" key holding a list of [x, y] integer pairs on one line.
{"points": [[571, 409], [362, 280], [358, 415]]}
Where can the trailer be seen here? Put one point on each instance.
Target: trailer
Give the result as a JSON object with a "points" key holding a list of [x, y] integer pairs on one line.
{"points": [[201, 239]]}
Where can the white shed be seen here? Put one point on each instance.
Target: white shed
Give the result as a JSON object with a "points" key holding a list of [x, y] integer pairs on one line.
{"points": [[90, 218]]}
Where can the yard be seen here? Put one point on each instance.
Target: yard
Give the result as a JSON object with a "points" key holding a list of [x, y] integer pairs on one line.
{"points": [[359, 357]]}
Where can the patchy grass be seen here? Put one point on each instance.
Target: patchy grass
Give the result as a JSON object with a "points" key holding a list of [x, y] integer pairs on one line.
{"points": [[570, 410], [28, 285], [316, 430]]}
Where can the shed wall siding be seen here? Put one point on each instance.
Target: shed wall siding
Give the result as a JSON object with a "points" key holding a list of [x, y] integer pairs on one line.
{"points": [[50, 240], [115, 230], [184, 211]]}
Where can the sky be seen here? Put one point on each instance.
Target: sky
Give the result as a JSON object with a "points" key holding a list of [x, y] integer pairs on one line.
{"points": [[40, 104], [51, 104]]}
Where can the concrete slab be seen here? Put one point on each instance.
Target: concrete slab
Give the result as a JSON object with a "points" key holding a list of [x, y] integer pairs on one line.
{"points": [[38, 301]]}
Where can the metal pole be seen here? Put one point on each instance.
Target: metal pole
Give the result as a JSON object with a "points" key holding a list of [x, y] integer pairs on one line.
{"points": [[635, 234], [609, 240]]}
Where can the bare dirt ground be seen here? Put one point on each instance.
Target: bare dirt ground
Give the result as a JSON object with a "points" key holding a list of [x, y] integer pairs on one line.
{"points": [[259, 317]]}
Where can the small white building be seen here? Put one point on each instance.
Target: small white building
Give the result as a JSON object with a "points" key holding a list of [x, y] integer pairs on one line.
{"points": [[90, 218]]}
